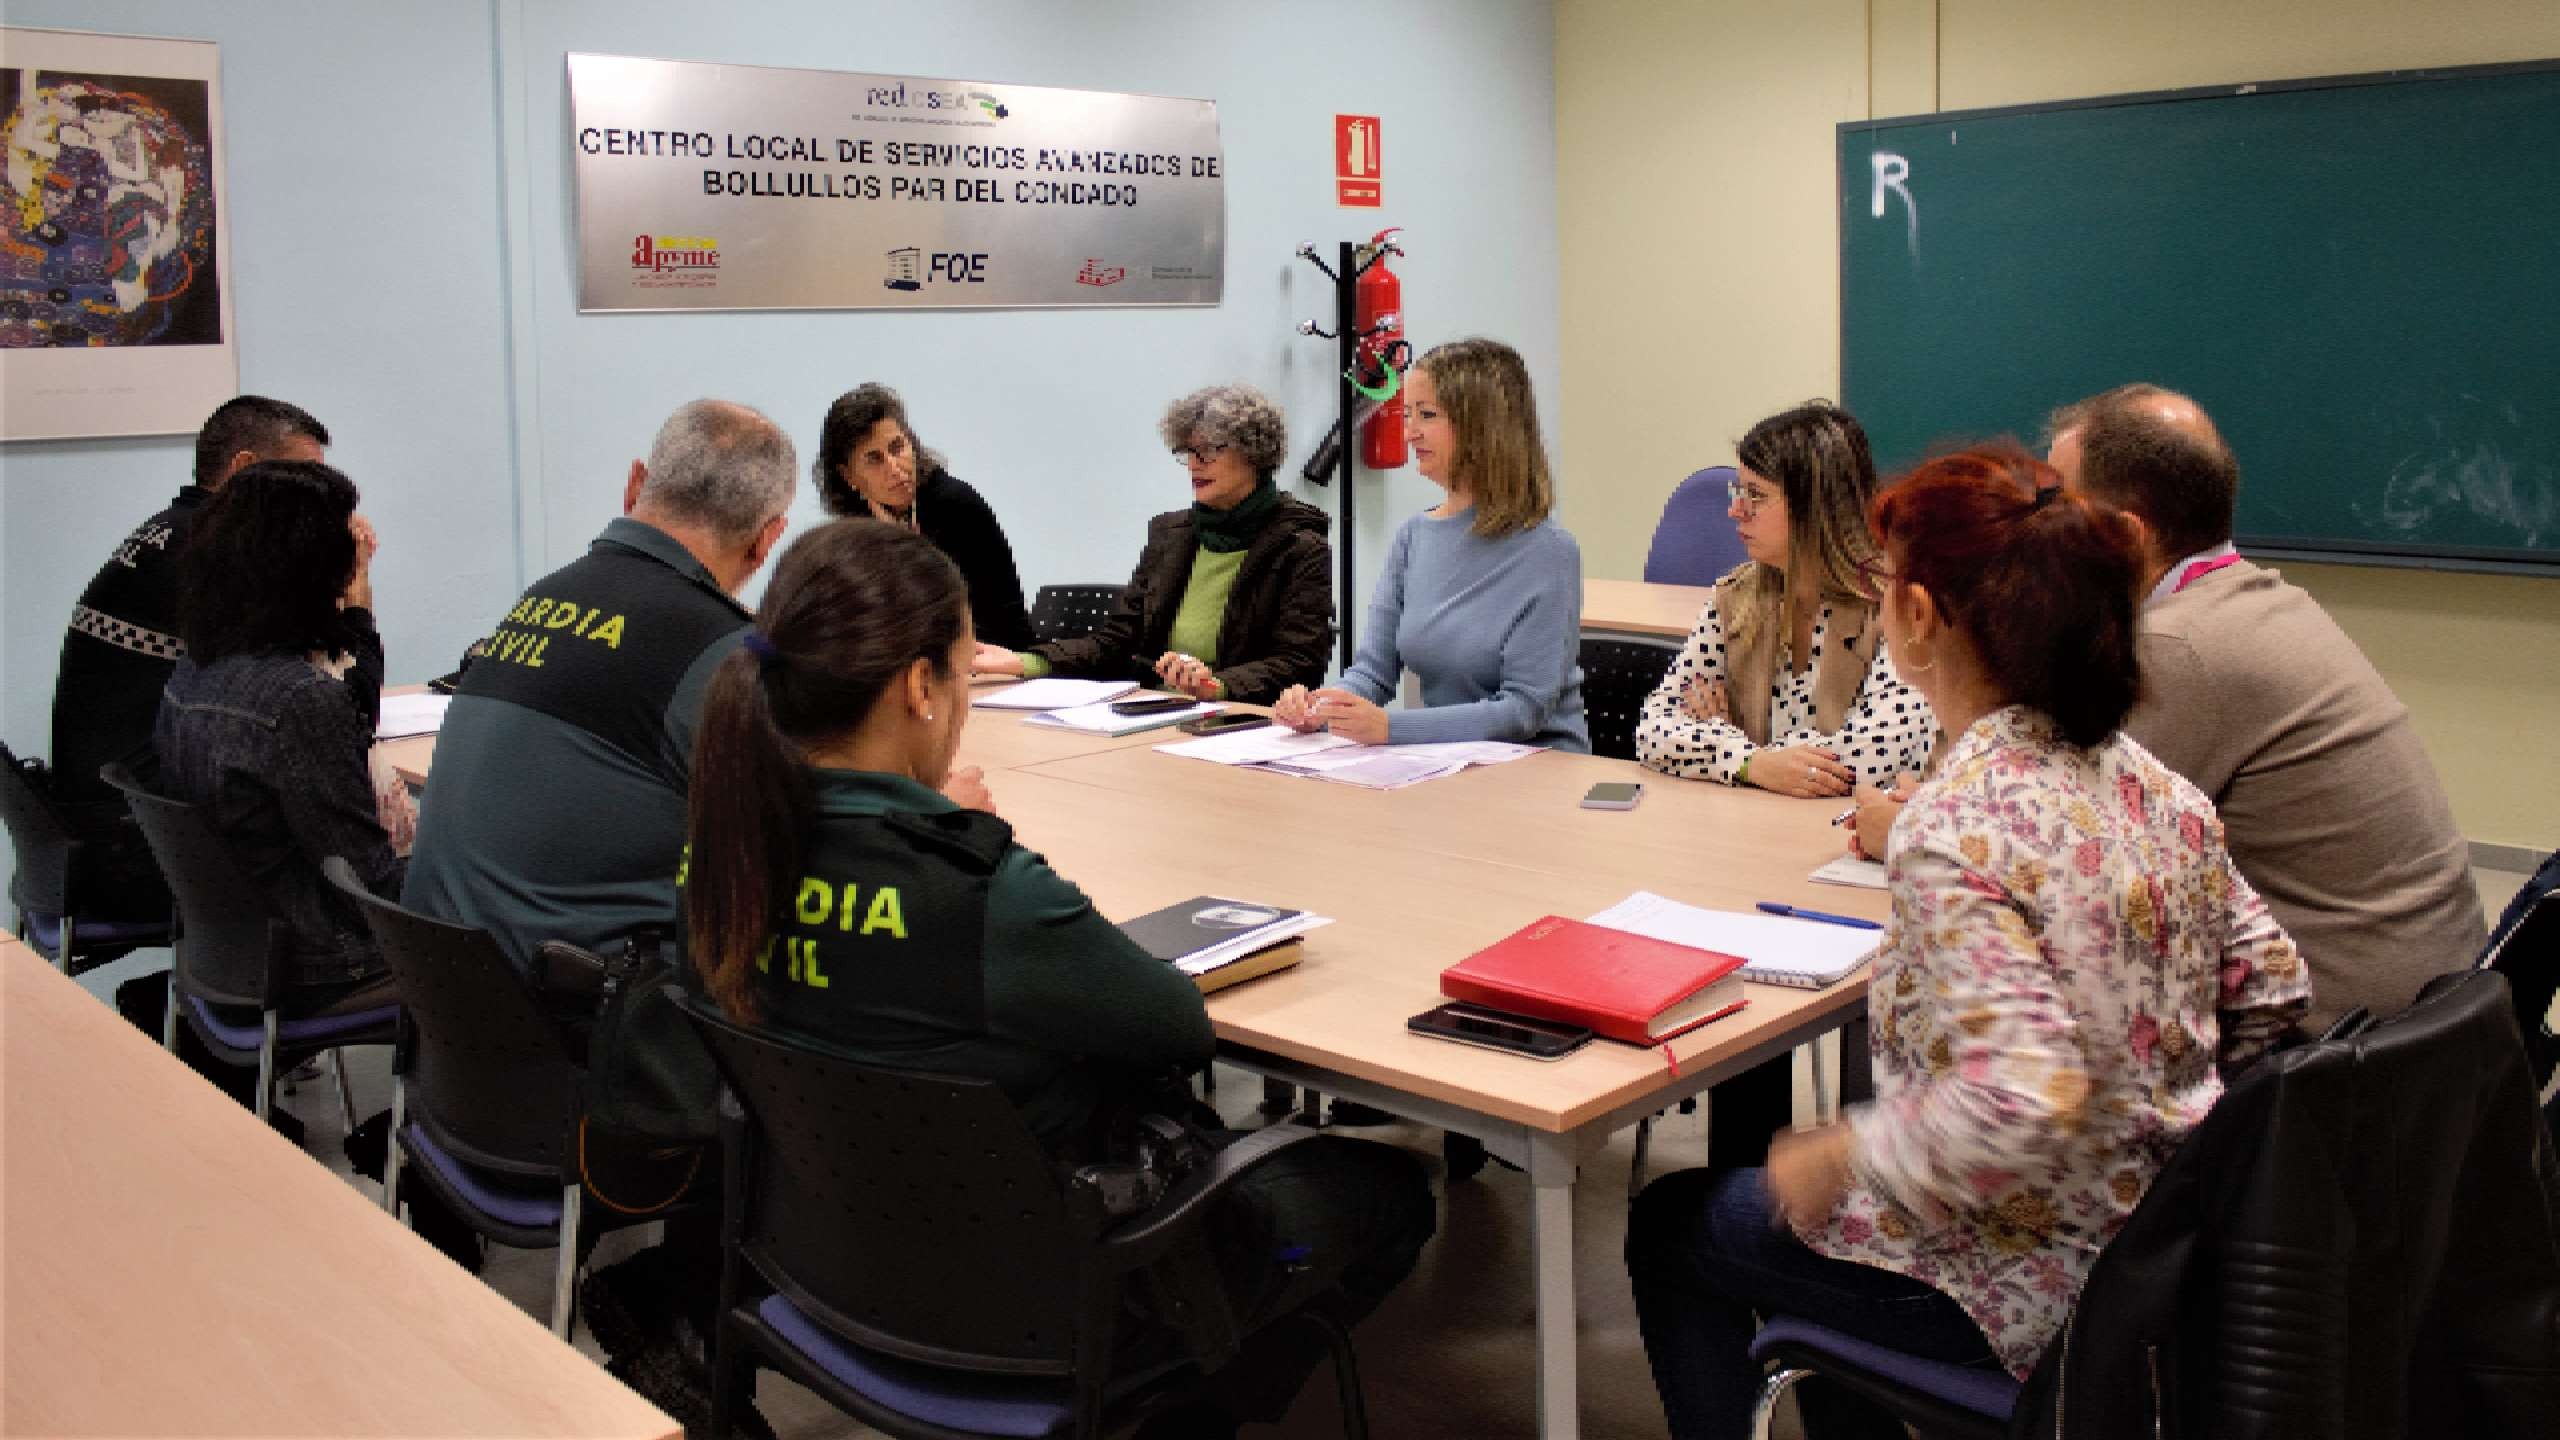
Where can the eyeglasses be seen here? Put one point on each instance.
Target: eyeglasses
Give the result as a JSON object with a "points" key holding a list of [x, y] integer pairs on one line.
{"points": [[1748, 499], [1198, 454]]}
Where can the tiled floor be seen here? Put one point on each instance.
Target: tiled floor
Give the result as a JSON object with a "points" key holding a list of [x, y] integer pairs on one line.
{"points": [[1450, 1355]]}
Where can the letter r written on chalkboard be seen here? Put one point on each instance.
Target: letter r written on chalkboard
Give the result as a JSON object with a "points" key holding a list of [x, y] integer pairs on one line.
{"points": [[1890, 171]]}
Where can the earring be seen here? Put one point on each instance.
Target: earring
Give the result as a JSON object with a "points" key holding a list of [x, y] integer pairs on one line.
{"points": [[1910, 669], [928, 717]]}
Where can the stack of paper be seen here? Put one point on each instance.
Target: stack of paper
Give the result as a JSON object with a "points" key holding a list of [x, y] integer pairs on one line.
{"points": [[1053, 693], [406, 715], [1210, 937], [1807, 954], [1101, 720], [1850, 870], [1321, 756]]}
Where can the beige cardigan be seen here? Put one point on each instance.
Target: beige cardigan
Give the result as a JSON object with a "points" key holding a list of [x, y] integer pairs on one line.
{"points": [[2331, 807]]}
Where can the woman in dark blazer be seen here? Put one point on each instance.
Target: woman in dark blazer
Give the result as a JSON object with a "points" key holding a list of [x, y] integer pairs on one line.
{"points": [[1233, 597], [870, 466]]}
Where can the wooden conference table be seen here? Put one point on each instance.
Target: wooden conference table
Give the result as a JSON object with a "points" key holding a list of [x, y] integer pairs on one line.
{"points": [[176, 1268], [1639, 610], [1415, 879]]}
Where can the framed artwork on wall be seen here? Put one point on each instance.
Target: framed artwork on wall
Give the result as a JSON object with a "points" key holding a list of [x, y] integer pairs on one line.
{"points": [[115, 275]]}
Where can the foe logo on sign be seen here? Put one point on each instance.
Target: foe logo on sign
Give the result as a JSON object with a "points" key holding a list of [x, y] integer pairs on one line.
{"points": [[949, 267]]}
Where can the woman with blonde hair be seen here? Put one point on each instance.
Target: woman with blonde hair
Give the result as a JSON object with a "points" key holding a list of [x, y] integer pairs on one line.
{"points": [[1481, 595], [1785, 683]]}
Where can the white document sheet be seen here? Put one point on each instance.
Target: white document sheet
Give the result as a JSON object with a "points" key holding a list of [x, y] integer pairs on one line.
{"points": [[406, 715], [1100, 720], [1253, 747], [1775, 950], [1850, 870], [1053, 693]]}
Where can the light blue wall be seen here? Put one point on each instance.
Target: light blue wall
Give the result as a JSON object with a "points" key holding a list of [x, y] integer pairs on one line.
{"points": [[403, 266]]}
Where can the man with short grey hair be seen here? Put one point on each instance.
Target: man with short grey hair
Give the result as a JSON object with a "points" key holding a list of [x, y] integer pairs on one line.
{"points": [[558, 809]]}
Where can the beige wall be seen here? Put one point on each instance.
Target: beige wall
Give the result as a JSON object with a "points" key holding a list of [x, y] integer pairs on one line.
{"points": [[1701, 288]]}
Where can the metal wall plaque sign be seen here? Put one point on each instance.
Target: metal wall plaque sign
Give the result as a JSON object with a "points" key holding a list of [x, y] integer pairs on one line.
{"points": [[742, 187]]}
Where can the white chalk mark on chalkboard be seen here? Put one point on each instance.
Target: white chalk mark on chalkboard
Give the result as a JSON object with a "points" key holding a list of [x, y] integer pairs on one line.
{"points": [[1891, 171], [2485, 484]]}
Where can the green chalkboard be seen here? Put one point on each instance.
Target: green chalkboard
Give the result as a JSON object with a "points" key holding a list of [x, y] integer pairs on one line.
{"points": [[2358, 277]]}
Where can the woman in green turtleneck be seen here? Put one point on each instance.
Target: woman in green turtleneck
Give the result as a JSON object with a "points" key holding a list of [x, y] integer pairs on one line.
{"points": [[1232, 598]]}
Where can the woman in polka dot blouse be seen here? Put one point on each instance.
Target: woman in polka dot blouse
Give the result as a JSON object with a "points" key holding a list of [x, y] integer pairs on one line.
{"points": [[1785, 683]]}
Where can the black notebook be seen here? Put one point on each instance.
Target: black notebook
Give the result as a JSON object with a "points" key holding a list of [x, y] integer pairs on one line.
{"points": [[1207, 935]]}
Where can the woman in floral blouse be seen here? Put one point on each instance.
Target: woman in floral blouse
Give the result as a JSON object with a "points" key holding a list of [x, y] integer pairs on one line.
{"points": [[2074, 963]]}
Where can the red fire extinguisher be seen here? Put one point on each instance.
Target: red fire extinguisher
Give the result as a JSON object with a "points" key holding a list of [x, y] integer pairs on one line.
{"points": [[1379, 315]]}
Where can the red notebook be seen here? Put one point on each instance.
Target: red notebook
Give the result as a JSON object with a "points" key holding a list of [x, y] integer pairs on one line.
{"points": [[1628, 987]]}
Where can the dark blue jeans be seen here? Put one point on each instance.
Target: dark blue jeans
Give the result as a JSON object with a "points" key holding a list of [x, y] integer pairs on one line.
{"points": [[1706, 1257]]}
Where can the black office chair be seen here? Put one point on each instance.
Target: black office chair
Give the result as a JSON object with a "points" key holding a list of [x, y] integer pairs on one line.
{"points": [[228, 958], [2525, 948], [1617, 675], [486, 1093], [1063, 612], [918, 1262], [59, 888]]}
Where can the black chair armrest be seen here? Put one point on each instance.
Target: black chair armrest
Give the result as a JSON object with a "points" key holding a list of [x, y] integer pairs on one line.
{"points": [[563, 969], [1143, 1239]]}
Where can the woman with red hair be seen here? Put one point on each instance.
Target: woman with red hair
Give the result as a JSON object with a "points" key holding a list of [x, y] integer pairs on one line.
{"points": [[2074, 963]]}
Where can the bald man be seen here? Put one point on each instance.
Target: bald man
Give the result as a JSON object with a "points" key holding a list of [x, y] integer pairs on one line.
{"points": [[2251, 691]]}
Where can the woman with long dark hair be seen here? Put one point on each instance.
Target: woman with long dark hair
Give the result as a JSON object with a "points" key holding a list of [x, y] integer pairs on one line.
{"points": [[870, 464], [832, 893], [267, 722], [2074, 964]]}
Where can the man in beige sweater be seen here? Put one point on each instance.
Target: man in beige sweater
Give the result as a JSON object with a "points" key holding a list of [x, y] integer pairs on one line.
{"points": [[2251, 691]]}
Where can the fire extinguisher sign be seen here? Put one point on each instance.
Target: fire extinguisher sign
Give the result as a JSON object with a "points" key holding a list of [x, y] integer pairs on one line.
{"points": [[1355, 160]]}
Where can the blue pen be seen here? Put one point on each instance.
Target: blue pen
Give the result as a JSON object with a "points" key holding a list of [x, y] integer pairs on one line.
{"points": [[1800, 913]]}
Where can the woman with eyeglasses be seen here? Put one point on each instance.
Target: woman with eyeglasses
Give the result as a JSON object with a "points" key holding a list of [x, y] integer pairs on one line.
{"points": [[871, 466], [1233, 597], [1785, 683]]}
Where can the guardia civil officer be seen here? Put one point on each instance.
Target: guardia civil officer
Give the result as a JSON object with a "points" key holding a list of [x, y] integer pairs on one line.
{"points": [[918, 934], [561, 768]]}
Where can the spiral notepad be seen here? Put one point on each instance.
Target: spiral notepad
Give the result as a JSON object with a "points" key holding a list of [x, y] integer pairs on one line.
{"points": [[1802, 954]]}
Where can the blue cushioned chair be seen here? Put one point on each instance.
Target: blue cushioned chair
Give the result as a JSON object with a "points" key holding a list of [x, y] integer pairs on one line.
{"points": [[228, 957], [898, 1243], [57, 887], [486, 1094], [1939, 1400], [1695, 542]]}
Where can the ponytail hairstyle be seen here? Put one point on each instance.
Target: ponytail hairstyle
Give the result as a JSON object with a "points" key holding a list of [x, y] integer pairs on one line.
{"points": [[2039, 581], [1817, 456], [851, 605]]}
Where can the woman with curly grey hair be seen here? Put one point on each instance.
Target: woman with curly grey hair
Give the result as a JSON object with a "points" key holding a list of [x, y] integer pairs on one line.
{"points": [[1233, 597]]}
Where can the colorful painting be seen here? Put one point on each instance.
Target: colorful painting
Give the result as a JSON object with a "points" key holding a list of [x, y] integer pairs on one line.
{"points": [[107, 228]]}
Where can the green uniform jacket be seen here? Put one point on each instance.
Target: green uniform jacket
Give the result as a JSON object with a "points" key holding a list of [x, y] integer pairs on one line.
{"points": [[919, 935]]}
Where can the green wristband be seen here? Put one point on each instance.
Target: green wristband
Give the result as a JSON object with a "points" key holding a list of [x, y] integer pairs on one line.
{"points": [[1742, 772]]}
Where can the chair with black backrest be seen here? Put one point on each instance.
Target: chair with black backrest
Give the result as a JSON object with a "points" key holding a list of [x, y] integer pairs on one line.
{"points": [[1064, 612], [58, 888], [1695, 543], [899, 1243], [1617, 675], [2525, 947], [229, 954], [486, 1093], [2208, 1218]]}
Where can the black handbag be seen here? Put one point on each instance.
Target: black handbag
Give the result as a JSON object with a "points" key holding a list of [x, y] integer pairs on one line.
{"points": [[652, 1094]]}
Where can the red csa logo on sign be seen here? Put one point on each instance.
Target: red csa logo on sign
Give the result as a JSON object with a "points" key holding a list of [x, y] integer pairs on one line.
{"points": [[1096, 273], [1355, 160]]}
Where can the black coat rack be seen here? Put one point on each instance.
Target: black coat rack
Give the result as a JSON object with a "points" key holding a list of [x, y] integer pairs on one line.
{"points": [[1337, 456]]}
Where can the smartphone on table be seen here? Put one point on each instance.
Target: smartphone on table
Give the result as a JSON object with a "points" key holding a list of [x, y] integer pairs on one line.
{"points": [[1222, 722], [1612, 795], [1495, 1030], [1152, 704]]}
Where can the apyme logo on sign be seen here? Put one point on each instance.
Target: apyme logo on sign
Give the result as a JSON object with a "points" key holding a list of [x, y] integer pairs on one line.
{"points": [[1097, 273], [911, 268], [660, 262]]}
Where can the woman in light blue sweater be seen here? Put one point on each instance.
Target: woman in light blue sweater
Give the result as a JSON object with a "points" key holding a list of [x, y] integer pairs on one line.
{"points": [[1481, 595]]}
